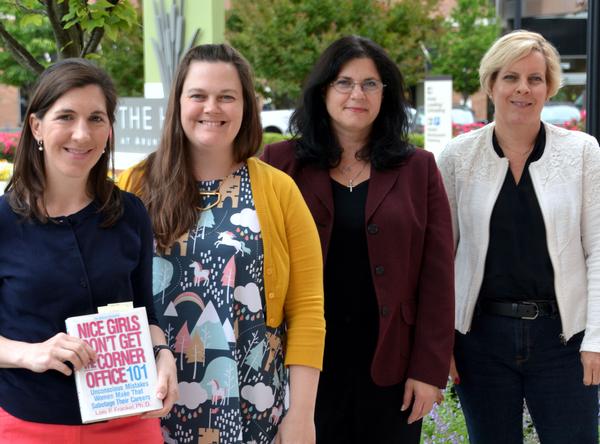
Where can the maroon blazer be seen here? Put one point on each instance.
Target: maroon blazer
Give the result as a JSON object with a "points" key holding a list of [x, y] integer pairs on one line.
{"points": [[411, 252]]}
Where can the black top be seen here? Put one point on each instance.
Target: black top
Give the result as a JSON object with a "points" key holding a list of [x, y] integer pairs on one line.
{"points": [[518, 267], [351, 310], [51, 271]]}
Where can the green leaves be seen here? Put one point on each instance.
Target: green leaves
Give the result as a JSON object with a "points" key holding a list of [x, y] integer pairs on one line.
{"points": [[32, 20], [469, 32], [100, 14], [75, 34], [282, 39]]}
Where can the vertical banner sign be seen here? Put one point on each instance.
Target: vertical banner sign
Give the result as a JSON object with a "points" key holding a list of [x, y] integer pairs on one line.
{"points": [[438, 113]]}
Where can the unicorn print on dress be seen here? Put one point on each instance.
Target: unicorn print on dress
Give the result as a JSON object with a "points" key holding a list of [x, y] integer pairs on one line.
{"points": [[218, 393], [228, 238], [200, 275], [214, 319]]}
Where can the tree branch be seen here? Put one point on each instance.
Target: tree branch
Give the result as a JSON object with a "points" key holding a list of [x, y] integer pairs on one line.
{"points": [[61, 36], [20, 54], [96, 36], [75, 33], [66, 39], [92, 44], [25, 9]]}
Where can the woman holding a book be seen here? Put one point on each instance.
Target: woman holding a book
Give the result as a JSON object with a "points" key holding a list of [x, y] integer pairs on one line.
{"points": [[70, 241], [238, 271]]}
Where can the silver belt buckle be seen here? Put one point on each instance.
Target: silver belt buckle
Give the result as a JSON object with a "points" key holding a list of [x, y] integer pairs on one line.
{"points": [[537, 311]]}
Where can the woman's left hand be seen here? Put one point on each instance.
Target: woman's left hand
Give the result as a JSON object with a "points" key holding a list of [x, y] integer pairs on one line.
{"points": [[425, 396], [296, 428], [167, 388], [591, 367]]}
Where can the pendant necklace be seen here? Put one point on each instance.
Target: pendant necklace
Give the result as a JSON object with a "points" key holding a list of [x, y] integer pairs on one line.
{"points": [[207, 194], [352, 179], [210, 193], [523, 155]]}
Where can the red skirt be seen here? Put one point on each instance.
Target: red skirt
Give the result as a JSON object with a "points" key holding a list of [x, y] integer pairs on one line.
{"points": [[125, 430]]}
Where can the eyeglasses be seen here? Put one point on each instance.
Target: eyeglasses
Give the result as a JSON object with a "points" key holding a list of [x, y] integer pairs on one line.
{"points": [[346, 86]]}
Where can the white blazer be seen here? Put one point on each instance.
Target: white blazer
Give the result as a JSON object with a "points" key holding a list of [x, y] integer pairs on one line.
{"points": [[566, 180]]}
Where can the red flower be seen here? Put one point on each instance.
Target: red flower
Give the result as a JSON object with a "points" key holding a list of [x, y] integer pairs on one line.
{"points": [[8, 145]]}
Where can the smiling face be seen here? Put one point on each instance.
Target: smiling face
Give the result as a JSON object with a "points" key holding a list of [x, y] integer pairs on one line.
{"points": [[520, 91], [354, 112], [212, 107], [74, 131]]}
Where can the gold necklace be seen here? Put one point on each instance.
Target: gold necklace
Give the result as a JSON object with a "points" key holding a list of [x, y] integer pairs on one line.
{"points": [[519, 153], [209, 193], [352, 179]]}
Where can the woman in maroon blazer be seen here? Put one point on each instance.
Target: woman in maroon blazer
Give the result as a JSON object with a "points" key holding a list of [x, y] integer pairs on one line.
{"points": [[385, 229]]}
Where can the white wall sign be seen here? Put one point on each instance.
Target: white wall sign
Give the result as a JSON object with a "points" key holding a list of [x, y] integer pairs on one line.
{"points": [[438, 113], [138, 128]]}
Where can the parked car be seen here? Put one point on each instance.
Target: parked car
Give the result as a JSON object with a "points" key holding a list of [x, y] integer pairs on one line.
{"points": [[560, 113], [276, 121], [461, 116]]}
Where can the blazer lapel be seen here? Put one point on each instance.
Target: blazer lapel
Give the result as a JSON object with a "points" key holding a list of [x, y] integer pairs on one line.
{"points": [[315, 183], [380, 184]]}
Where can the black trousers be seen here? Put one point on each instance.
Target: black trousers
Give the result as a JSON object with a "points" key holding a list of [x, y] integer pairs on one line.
{"points": [[355, 410]]}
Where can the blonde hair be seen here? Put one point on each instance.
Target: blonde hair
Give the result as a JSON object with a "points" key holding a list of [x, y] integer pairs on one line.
{"points": [[514, 46]]}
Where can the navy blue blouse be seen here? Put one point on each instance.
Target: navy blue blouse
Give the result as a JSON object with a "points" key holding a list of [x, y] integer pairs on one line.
{"points": [[66, 267]]}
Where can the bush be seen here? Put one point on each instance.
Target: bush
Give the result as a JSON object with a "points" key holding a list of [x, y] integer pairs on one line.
{"points": [[417, 139], [446, 423], [576, 125], [6, 169], [273, 138], [269, 138], [459, 129], [8, 144]]}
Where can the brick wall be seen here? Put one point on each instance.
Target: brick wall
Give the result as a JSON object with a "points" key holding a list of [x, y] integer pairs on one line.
{"points": [[9, 107]]}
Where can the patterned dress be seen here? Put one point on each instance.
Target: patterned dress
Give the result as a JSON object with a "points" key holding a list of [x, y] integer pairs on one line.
{"points": [[209, 298]]}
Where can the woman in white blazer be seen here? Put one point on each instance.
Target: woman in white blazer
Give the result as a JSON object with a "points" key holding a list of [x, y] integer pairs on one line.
{"points": [[525, 201]]}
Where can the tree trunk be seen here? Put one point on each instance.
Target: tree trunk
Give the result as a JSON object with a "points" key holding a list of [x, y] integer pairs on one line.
{"points": [[21, 55]]}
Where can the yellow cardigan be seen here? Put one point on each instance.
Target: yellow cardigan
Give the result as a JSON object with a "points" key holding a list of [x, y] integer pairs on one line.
{"points": [[293, 267]]}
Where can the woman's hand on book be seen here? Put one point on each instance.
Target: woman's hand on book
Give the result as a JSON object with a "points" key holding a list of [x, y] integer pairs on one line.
{"points": [[55, 353], [167, 388]]}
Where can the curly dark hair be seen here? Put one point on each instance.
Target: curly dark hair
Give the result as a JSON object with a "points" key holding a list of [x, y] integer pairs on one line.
{"points": [[317, 142]]}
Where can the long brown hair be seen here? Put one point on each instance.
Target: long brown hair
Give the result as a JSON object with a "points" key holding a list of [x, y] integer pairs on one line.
{"points": [[168, 186], [26, 187]]}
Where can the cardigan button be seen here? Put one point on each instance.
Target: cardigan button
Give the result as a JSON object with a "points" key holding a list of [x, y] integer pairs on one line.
{"points": [[379, 270], [271, 295], [272, 321], [269, 271], [385, 310], [83, 283], [372, 229]]}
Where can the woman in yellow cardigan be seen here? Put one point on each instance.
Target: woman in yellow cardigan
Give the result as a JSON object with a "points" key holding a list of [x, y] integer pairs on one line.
{"points": [[238, 269]]}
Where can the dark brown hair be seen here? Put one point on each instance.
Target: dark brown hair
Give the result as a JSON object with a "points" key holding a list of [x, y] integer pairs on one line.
{"points": [[26, 187], [168, 185], [317, 142]]}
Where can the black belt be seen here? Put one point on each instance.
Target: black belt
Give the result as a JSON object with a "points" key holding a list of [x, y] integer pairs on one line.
{"points": [[519, 309]]}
